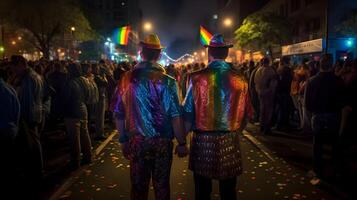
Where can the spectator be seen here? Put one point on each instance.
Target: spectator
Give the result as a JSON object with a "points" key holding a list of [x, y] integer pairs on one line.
{"points": [[9, 122], [265, 81], [283, 94], [254, 95], [57, 80], [30, 89], [75, 98], [324, 99], [102, 84]]}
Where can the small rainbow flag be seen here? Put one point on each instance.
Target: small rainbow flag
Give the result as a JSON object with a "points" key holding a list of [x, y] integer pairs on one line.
{"points": [[205, 36], [121, 35]]}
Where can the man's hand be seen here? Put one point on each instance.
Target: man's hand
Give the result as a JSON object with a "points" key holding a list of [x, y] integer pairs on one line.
{"points": [[181, 151], [125, 150]]}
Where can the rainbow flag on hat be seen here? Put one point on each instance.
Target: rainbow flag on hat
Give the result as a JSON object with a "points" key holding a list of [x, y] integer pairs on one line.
{"points": [[205, 36], [121, 35]]}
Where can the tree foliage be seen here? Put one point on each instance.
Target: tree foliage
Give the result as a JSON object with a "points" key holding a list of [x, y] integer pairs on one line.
{"points": [[262, 31], [45, 20], [348, 27]]}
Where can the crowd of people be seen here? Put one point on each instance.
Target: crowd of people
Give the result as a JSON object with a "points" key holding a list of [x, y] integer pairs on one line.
{"points": [[314, 97]]}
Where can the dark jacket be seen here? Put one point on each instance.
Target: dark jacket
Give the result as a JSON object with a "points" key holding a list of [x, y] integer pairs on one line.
{"points": [[324, 94]]}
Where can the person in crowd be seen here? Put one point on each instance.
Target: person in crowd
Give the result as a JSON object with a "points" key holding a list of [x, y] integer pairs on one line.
{"points": [[75, 97], [9, 125], [148, 115], [93, 95], [324, 98], [348, 116], [266, 81], [283, 94], [254, 95], [300, 75], [57, 80], [30, 90], [102, 84], [216, 109]]}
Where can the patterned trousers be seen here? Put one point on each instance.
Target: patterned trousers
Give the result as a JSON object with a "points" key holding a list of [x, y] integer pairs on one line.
{"points": [[151, 159]]}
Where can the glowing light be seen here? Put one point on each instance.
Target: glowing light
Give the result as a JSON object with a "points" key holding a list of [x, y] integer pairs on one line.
{"points": [[79, 52], [2, 49], [227, 22], [205, 36], [215, 16], [195, 53], [13, 42], [58, 50], [147, 26], [203, 53], [19, 38], [73, 28], [350, 42]]}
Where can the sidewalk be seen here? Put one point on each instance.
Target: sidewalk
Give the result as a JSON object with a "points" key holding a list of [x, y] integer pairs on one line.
{"points": [[296, 149]]}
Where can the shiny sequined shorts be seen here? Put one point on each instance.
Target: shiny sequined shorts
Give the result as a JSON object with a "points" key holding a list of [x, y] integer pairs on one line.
{"points": [[216, 155]]}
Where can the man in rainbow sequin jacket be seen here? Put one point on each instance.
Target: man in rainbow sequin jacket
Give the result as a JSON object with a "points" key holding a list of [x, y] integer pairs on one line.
{"points": [[148, 116], [216, 109]]}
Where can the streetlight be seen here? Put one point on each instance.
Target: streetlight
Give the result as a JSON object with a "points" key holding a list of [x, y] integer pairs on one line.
{"points": [[73, 28], [147, 26], [227, 22]]}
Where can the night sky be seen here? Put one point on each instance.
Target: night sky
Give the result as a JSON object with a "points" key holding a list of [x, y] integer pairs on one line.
{"points": [[177, 22]]}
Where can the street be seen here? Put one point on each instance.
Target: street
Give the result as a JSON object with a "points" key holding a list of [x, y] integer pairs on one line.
{"points": [[263, 178]]}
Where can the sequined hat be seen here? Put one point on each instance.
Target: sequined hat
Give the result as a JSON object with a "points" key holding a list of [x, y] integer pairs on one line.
{"points": [[218, 41], [151, 41]]}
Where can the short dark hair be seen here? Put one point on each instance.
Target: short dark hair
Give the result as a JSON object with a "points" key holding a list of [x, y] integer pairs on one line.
{"points": [[218, 52], [150, 54], [285, 60], [18, 60], [326, 62], [265, 61]]}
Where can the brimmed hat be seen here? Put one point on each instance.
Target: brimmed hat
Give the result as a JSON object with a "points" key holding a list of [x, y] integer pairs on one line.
{"points": [[218, 41], [151, 41]]}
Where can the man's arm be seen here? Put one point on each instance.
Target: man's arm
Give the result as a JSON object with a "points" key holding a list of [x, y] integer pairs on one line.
{"points": [[177, 124]]}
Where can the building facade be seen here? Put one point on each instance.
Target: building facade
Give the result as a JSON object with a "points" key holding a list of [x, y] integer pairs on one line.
{"points": [[312, 21]]}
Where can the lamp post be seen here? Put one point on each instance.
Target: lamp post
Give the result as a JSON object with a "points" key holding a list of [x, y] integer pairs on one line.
{"points": [[73, 29], [327, 14]]}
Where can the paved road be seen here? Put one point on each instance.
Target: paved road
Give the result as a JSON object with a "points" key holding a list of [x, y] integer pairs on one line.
{"points": [[263, 178]]}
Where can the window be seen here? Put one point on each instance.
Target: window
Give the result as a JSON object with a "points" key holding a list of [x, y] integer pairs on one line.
{"points": [[308, 2], [282, 12], [295, 5], [108, 4], [316, 24], [100, 4]]}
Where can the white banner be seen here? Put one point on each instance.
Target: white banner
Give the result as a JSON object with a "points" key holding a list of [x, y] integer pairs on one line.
{"points": [[302, 48]]}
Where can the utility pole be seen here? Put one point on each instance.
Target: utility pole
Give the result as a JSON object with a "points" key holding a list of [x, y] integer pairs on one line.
{"points": [[327, 17]]}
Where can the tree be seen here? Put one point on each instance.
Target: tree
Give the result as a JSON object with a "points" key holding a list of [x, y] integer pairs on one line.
{"points": [[45, 20], [348, 27], [262, 31]]}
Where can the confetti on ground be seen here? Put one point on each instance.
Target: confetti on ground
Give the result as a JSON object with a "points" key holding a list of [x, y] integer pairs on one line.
{"points": [[112, 186]]}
